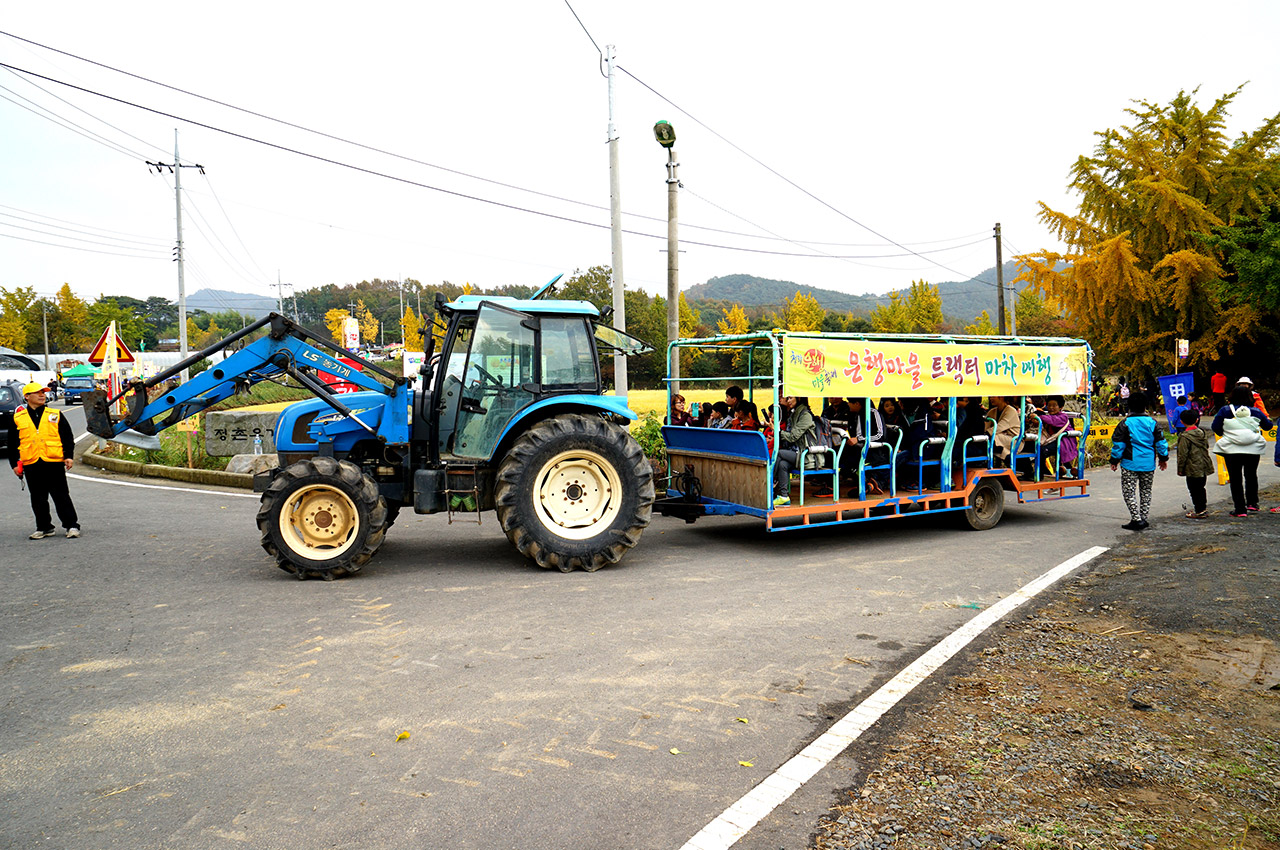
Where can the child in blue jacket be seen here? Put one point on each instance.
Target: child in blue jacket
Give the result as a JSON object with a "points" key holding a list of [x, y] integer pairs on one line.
{"points": [[1136, 447]]}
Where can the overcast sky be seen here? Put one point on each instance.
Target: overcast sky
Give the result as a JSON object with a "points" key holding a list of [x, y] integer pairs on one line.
{"points": [[923, 122]]}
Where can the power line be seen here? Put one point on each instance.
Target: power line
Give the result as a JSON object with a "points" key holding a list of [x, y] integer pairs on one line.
{"points": [[85, 112], [783, 177], [77, 248], [407, 181], [415, 161], [149, 243], [590, 38], [67, 124], [232, 225]]}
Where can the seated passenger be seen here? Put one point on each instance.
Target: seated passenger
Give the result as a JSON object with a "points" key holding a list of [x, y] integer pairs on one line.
{"points": [[766, 420], [744, 417], [891, 414], [719, 417], [1006, 427], [1056, 422], [679, 416], [970, 422], [732, 398], [836, 410], [865, 425], [799, 432]]}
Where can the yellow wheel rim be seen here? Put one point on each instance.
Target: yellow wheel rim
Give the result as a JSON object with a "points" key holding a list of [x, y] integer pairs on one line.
{"points": [[319, 522], [579, 494]]}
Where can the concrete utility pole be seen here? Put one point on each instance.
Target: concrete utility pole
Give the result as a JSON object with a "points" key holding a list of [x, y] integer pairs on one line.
{"points": [[279, 294], [44, 320], [176, 169], [400, 289], [666, 136], [999, 282], [615, 226]]}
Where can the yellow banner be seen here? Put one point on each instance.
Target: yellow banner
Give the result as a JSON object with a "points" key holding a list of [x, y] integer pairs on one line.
{"points": [[847, 368]]}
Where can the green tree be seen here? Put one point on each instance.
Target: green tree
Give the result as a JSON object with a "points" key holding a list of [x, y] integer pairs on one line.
{"points": [[1138, 272], [594, 285], [107, 309]]}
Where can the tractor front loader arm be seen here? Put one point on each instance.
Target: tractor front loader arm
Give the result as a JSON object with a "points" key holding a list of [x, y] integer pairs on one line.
{"points": [[286, 349]]}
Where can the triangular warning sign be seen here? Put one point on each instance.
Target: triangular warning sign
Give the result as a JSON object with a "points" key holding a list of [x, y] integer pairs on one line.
{"points": [[99, 353]]}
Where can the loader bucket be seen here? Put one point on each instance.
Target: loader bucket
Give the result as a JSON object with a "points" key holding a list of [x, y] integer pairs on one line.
{"points": [[96, 415]]}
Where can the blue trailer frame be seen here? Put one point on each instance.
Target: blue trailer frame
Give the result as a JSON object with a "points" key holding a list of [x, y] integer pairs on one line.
{"points": [[723, 472]]}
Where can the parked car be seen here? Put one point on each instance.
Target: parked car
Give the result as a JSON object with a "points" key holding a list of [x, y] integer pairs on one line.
{"points": [[72, 388], [10, 399]]}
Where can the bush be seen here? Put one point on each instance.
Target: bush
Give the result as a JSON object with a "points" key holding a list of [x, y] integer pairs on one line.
{"points": [[648, 433]]}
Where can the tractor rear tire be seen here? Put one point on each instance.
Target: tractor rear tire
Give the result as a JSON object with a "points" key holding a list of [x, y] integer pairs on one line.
{"points": [[986, 505], [322, 517], [574, 492]]}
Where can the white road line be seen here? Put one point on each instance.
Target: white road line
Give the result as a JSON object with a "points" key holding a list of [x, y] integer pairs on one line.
{"points": [[160, 487], [740, 818]]}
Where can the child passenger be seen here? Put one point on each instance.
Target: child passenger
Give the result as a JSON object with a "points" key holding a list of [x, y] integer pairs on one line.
{"points": [[744, 417], [1194, 462]]}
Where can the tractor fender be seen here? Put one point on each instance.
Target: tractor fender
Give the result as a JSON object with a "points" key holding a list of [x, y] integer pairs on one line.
{"points": [[574, 402]]}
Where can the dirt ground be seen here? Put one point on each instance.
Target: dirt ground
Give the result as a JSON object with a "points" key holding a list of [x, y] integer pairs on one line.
{"points": [[1137, 707]]}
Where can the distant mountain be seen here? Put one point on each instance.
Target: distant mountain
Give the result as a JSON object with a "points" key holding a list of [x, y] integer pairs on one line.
{"points": [[961, 300], [221, 300]]}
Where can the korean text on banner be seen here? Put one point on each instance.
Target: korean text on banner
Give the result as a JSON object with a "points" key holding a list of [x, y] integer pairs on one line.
{"points": [[816, 366]]}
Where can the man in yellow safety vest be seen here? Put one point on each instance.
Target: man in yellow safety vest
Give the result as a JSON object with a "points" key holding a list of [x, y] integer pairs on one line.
{"points": [[40, 449]]}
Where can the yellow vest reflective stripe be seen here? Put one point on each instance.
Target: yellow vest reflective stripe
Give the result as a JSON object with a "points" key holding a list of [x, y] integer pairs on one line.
{"points": [[38, 442]]}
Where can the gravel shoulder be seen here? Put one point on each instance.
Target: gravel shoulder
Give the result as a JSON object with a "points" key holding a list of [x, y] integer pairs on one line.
{"points": [[1138, 706]]}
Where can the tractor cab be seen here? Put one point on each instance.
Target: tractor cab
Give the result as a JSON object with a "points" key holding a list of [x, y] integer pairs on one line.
{"points": [[503, 356]]}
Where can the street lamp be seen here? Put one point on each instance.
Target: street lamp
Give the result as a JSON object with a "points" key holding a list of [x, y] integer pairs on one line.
{"points": [[666, 136]]}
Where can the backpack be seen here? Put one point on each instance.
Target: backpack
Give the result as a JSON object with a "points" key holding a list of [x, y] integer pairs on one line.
{"points": [[821, 437]]}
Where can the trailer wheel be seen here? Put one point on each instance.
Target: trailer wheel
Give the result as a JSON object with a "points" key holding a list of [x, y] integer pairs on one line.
{"points": [[322, 517], [574, 492], [986, 505]]}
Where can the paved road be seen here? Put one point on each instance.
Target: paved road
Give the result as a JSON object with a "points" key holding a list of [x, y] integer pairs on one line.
{"points": [[164, 686]]}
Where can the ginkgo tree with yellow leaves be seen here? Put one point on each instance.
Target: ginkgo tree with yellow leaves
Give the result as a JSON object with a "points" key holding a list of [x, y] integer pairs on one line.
{"points": [[1141, 269]]}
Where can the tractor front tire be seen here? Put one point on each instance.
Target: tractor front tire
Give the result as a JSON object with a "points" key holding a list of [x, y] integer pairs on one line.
{"points": [[322, 517], [574, 492]]}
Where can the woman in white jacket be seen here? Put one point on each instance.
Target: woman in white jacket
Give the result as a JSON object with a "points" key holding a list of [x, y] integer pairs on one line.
{"points": [[1239, 426]]}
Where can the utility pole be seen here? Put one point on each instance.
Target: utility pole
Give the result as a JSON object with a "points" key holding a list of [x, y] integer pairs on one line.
{"points": [[175, 168], [279, 294], [400, 289], [666, 136], [615, 241], [293, 290], [999, 282], [44, 320]]}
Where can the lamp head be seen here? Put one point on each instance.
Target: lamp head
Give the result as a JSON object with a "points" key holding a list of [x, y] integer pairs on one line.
{"points": [[664, 133]]}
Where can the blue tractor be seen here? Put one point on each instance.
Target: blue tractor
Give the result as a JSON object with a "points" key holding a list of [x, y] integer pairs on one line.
{"points": [[510, 418]]}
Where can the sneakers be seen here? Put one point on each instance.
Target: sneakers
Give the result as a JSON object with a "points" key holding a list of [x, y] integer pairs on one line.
{"points": [[781, 501], [1197, 514], [1135, 525], [1275, 510], [73, 532], [1240, 514], [1253, 509], [40, 535]]}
